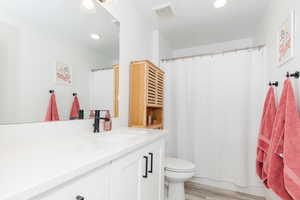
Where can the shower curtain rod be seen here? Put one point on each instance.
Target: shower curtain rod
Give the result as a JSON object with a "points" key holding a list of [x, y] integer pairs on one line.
{"points": [[214, 53], [101, 69]]}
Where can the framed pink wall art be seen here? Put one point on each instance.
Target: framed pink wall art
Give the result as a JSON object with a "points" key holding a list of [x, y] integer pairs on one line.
{"points": [[285, 41], [63, 74]]}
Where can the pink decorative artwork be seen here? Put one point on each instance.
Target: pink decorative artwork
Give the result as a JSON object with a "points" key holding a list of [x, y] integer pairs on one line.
{"points": [[63, 74], [285, 46]]}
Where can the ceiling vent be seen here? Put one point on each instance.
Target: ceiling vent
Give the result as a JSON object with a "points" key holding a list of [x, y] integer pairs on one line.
{"points": [[165, 11]]}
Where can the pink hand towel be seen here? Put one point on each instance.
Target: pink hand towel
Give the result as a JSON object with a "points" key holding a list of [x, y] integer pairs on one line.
{"points": [[292, 146], [264, 139], [275, 169], [259, 152], [52, 114], [75, 109]]}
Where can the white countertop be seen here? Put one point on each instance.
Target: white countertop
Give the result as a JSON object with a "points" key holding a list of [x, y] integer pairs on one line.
{"points": [[32, 165]]}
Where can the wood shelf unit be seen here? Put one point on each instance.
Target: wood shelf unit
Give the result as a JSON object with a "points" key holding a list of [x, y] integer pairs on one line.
{"points": [[155, 126], [146, 94]]}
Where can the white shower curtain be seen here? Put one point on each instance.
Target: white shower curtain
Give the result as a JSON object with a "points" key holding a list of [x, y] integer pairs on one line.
{"points": [[213, 109]]}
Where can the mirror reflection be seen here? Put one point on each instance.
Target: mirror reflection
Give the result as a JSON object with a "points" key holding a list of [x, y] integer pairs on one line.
{"points": [[57, 58]]}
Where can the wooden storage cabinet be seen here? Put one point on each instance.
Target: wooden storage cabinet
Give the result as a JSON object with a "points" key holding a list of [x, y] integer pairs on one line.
{"points": [[146, 94], [154, 85], [160, 88]]}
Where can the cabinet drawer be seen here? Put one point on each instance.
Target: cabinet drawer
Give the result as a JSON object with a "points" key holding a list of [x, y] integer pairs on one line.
{"points": [[92, 186]]}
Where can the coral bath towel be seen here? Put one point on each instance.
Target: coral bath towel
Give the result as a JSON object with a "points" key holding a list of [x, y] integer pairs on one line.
{"points": [[75, 109], [292, 146], [265, 133], [52, 113], [275, 155]]}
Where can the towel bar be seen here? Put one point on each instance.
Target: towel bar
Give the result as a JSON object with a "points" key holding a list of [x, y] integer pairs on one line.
{"points": [[276, 84], [296, 75]]}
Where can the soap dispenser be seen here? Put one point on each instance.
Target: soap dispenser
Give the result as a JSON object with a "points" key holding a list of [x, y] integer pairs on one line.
{"points": [[107, 123]]}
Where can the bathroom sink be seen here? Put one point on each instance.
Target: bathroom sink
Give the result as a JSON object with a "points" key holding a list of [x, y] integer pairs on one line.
{"points": [[119, 138]]}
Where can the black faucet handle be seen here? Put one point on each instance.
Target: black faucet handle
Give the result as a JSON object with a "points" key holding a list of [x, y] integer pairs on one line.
{"points": [[97, 113]]}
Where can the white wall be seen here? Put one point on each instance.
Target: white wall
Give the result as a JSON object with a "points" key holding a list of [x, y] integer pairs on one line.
{"points": [[275, 15], [229, 45], [155, 47], [136, 43], [161, 47], [102, 91], [165, 49], [9, 61]]}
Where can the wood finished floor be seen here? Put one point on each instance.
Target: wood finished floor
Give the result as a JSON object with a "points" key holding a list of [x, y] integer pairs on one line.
{"points": [[202, 192]]}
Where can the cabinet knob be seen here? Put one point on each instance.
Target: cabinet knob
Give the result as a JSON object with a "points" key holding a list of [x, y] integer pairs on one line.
{"points": [[79, 197]]}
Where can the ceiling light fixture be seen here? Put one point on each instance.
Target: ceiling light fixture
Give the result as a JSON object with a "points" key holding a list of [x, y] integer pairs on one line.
{"points": [[88, 6], [220, 3], [95, 36], [105, 1]]}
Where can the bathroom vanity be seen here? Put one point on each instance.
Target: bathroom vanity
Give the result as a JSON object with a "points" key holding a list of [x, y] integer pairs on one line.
{"points": [[123, 164]]}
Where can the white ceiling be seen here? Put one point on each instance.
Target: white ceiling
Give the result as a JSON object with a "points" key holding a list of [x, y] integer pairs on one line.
{"points": [[197, 22], [69, 21]]}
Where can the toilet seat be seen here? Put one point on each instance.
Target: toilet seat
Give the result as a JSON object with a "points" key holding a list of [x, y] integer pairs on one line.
{"points": [[177, 172], [178, 165]]}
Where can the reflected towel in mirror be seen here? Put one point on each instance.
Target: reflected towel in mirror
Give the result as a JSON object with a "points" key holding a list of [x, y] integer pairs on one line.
{"points": [[52, 113], [75, 109]]}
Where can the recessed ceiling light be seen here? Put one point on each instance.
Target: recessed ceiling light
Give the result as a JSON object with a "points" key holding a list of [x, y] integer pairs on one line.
{"points": [[95, 36], [220, 3], [88, 5]]}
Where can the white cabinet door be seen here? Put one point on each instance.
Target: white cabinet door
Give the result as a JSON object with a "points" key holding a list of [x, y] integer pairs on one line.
{"points": [[126, 178], [153, 185], [92, 186], [139, 176]]}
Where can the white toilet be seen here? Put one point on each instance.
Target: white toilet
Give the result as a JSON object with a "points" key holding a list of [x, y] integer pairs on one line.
{"points": [[177, 171]]}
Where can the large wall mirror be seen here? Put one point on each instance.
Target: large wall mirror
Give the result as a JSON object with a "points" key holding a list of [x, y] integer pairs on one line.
{"points": [[70, 48]]}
